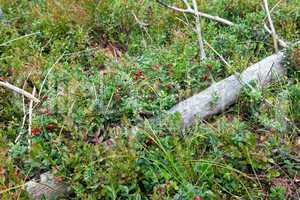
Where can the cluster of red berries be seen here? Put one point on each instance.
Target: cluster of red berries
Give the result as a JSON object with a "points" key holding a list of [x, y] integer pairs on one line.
{"points": [[37, 131], [138, 74], [205, 76]]}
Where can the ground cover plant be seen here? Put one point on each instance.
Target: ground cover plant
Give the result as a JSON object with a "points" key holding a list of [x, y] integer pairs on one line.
{"points": [[101, 68]]}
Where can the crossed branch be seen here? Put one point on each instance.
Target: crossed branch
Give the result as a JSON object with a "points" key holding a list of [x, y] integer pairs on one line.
{"points": [[190, 10], [194, 10], [276, 40]]}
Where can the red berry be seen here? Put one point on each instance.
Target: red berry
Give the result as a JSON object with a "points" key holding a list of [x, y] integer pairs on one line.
{"points": [[198, 198], [50, 127], [45, 98], [135, 77], [205, 77], [35, 131], [139, 72], [209, 66]]}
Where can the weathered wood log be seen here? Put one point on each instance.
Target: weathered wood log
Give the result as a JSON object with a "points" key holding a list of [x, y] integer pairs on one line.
{"points": [[213, 100], [223, 94], [47, 187]]}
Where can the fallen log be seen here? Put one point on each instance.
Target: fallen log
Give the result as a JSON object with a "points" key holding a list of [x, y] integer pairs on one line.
{"points": [[223, 94], [211, 101]]}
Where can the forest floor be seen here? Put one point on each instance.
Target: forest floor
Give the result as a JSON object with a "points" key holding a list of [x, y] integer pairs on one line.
{"points": [[103, 67]]}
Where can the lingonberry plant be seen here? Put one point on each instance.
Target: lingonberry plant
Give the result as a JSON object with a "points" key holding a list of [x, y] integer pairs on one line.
{"points": [[107, 72]]}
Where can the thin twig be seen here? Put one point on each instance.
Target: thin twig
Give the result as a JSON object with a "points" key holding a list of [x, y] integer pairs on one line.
{"points": [[30, 118], [275, 41], [218, 54], [138, 21], [281, 42], [19, 91], [230, 67], [109, 102], [24, 111], [49, 71], [201, 14], [186, 4], [142, 25], [199, 32], [12, 188], [19, 38], [273, 8]]}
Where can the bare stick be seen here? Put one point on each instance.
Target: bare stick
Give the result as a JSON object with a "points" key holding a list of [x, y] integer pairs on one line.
{"points": [[281, 42], [275, 41], [273, 8], [24, 112], [20, 91], [199, 32], [30, 118], [201, 14]]}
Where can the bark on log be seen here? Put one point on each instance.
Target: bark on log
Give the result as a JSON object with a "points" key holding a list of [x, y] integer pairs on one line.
{"points": [[200, 106], [221, 95]]}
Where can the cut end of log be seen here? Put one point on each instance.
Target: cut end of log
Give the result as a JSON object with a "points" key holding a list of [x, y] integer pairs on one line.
{"points": [[47, 187]]}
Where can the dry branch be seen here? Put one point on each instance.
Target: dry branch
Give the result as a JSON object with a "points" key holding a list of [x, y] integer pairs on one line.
{"points": [[274, 35], [198, 30], [19, 90], [201, 14], [281, 42], [30, 118]]}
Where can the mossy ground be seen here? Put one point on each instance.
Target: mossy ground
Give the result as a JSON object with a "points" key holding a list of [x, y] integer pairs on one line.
{"points": [[105, 72]]}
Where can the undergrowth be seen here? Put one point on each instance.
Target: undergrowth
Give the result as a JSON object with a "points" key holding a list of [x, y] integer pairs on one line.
{"points": [[100, 72]]}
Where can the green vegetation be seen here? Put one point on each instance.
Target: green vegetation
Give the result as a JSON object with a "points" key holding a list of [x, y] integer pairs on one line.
{"points": [[99, 72]]}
